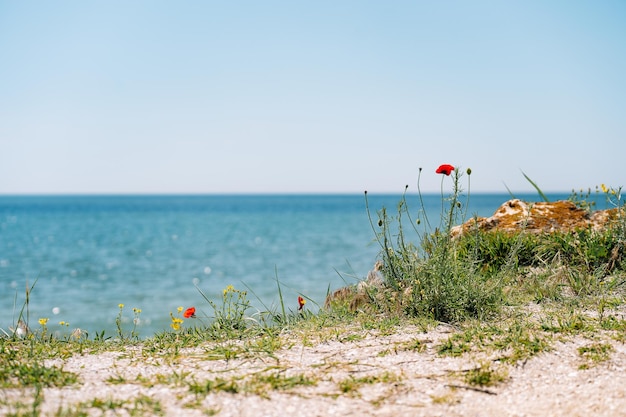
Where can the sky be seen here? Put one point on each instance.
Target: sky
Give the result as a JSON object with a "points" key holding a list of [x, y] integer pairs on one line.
{"points": [[161, 97]]}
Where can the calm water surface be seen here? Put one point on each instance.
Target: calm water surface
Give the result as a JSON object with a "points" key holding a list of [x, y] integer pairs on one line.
{"points": [[87, 254]]}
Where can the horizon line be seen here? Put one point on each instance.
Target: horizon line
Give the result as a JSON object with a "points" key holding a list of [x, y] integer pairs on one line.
{"points": [[253, 193]]}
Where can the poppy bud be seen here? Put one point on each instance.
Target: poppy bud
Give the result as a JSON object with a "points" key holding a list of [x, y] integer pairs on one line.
{"points": [[469, 171], [380, 223]]}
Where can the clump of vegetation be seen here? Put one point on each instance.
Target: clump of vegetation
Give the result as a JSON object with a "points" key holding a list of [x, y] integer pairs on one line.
{"points": [[472, 276], [595, 353], [486, 375], [438, 277]]}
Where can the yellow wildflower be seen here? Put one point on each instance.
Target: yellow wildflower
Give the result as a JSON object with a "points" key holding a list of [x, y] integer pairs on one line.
{"points": [[228, 289], [604, 189], [43, 321], [136, 310], [176, 322], [179, 309], [121, 306]]}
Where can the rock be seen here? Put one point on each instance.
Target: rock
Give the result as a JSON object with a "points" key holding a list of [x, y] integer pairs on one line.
{"points": [[355, 296], [543, 217]]}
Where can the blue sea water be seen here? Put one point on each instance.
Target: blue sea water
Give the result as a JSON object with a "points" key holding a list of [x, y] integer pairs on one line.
{"points": [[88, 254]]}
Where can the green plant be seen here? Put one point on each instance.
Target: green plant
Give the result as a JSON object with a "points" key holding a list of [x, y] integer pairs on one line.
{"points": [[351, 385], [229, 317], [119, 319], [18, 372], [583, 199], [440, 278], [535, 186], [541, 194], [514, 339], [486, 375], [259, 383], [140, 406], [595, 353], [20, 326]]}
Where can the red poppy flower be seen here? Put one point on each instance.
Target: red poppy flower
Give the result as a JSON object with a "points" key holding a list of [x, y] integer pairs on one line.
{"points": [[301, 302], [190, 312], [445, 169]]}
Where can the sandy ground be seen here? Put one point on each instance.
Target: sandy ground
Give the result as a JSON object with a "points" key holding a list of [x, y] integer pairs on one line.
{"points": [[402, 381]]}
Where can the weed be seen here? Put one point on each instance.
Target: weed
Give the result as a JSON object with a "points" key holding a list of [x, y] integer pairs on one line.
{"points": [[569, 322], [259, 383], [454, 345], [595, 353], [133, 335], [486, 375], [415, 345], [20, 368], [351, 385], [226, 352], [229, 318], [139, 406], [439, 278], [515, 339], [583, 199], [214, 385], [450, 397], [116, 380]]}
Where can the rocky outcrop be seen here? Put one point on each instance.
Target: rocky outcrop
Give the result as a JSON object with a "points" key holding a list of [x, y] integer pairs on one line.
{"points": [[517, 215]]}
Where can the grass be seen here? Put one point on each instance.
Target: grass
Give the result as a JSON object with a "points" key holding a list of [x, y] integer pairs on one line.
{"points": [[595, 353], [486, 375], [509, 340], [352, 385], [508, 297], [259, 383], [139, 406]]}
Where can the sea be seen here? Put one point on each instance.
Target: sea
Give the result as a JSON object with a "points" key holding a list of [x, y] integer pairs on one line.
{"points": [[76, 259]]}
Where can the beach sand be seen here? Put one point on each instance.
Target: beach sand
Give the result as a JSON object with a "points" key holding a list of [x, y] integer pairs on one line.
{"points": [[353, 373]]}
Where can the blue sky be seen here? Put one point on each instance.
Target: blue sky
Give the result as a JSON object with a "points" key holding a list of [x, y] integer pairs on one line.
{"points": [[324, 96]]}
